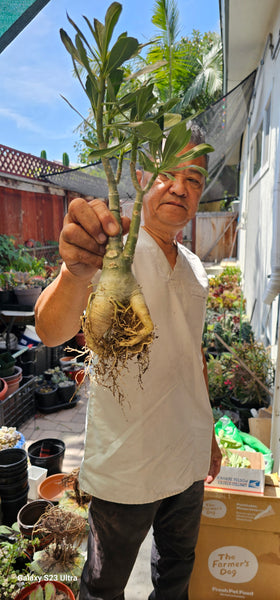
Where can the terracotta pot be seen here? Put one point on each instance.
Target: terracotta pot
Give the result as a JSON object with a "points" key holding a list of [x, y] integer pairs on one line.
{"points": [[14, 380], [75, 373], [52, 487], [66, 361], [3, 389], [24, 594]]}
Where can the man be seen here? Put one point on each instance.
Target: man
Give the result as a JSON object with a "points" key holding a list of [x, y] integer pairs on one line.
{"points": [[145, 462]]}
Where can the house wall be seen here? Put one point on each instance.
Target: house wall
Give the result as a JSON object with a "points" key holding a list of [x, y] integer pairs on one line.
{"points": [[257, 196]]}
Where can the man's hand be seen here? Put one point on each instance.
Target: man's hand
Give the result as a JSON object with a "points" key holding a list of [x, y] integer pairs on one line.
{"points": [[83, 238], [216, 459]]}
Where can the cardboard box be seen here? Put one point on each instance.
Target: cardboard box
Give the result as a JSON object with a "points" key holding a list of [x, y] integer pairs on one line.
{"points": [[249, 480], [260, 427], [238, 550]]}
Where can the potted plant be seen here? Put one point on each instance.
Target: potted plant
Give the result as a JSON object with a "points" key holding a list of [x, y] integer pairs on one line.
{"points": [[66, 386], [241, 379], [46, 590], [63, 388], [45, 394], [62, 559], [27, 286], [13, 559], [6, 292]]}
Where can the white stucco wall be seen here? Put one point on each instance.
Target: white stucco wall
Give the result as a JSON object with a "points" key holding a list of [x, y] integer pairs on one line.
{"points": [[257, 197]]}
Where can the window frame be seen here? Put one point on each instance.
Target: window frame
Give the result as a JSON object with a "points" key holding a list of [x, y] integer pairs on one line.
{"points": [[262, 130]]}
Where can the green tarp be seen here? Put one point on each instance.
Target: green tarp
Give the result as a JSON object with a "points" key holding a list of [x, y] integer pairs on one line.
{"points": [[14, 16]]}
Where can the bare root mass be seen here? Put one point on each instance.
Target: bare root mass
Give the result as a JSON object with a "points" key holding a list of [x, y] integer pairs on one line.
{"points": [[67, 530], [115, 349], [81, 497]]}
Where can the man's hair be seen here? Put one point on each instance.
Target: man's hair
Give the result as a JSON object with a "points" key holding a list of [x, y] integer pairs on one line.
{"points": [[197, 137], [198, 134]]}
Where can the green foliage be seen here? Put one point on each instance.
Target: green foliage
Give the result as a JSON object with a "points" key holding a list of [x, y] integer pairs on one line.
{"points": [[46, 593], [228, 336], [132, 118], [207, 84], [171, 64], [11, 554], [17, 258], [225, 292], [43, 154], [8, 251]]}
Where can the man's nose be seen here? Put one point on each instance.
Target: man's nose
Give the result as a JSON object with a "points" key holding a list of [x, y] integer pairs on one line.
{"points": [[178, 186]]}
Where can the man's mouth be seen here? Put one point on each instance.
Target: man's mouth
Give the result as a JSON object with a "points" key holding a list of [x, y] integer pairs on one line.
{"points": [[173, 203]]}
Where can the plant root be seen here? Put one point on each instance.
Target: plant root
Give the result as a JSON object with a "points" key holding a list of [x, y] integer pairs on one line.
{"points": [[66, 528], [128, 336]]}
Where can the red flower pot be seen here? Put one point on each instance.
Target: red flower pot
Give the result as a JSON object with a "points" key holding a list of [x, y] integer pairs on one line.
{"points": [[24, 594], [3, 389]]}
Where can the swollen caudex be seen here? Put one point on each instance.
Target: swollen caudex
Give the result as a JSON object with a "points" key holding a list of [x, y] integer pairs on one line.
{"points": [[117, 327]]}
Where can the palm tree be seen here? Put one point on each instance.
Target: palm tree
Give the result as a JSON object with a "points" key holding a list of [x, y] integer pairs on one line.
{"points": [[209, 78], [165, 46]]}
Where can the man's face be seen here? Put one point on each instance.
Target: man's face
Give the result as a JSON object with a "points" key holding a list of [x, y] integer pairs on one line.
{"points": [[172, 203]]}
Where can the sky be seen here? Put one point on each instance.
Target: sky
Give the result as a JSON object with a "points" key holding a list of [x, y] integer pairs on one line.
{"points": [[36, 70]]}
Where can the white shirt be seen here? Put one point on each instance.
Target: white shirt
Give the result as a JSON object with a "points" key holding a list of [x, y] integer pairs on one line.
{"points": [[158, 442]]}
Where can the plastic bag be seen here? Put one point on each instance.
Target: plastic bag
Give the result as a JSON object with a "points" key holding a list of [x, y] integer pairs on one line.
{"points": [[231, 437]]}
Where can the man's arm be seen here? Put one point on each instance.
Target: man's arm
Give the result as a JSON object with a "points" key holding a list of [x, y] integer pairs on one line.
{"points": [[82, 242], [216, 455]]}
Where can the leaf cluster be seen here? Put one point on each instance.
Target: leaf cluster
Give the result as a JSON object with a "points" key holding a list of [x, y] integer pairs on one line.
{"points": [[132, 118]]}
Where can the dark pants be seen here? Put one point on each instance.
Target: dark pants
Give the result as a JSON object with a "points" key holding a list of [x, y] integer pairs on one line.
{"points": [[117, 532]]}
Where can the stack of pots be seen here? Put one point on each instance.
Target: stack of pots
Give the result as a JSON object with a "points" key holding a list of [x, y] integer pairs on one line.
{"points": [[10, 373], [13, 381], [13, 483]]}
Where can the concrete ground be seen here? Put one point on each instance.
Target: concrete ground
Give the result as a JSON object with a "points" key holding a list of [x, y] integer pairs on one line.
{"points": [[69, 425]]}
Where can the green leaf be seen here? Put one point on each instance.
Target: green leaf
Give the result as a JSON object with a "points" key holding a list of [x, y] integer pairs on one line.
{"points": [[83, 55], [111, 19], [148, 130], [37, 593], [69, 46], [197, 151], [99, 35], [196, 167], [176, 141], [123, 50], [105, 152], [147, 69], [114, 82], [146, 162], [50, 591], [145, 99], [170, 119], [80, 33], [92, 91]]}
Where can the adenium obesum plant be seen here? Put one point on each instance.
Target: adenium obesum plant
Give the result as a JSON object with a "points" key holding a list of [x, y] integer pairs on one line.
{"points": [[117, 323]]}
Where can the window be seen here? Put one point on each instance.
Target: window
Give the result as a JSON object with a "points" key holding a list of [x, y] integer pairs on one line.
{"points": [[260, 145]]}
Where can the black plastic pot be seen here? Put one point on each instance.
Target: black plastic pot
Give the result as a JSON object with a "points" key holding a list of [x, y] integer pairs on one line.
{"points": [[46, 399], [10, 507], [13, 483], [13, 463], [66, 392], [52, 453]]}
